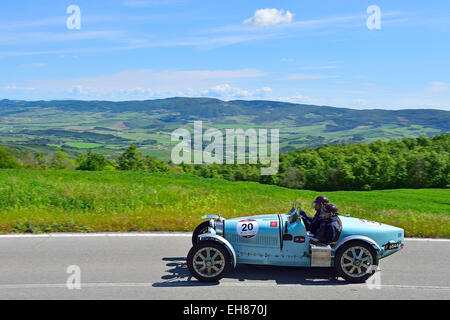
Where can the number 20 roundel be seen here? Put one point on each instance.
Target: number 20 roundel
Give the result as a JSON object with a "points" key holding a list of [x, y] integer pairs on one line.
{"points": [[247, 228]]}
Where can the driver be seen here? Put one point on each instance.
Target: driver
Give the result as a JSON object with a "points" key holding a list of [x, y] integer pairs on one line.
{"points": [[312, 223]]}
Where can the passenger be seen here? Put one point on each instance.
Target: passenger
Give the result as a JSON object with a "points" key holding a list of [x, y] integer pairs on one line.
{"points": [[328, 226]]}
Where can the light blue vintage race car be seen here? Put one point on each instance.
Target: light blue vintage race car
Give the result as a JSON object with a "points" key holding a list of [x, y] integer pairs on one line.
{"points": [[281, 240]]}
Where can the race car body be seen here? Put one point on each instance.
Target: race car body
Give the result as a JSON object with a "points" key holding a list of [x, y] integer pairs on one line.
{"points": [[282, 240]]}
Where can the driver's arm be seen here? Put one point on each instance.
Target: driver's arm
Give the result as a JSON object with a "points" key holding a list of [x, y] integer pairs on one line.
{"points": [[307, 220]]}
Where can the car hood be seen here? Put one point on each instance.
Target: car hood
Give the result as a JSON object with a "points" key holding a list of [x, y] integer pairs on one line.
{"points": [[257, 217]]}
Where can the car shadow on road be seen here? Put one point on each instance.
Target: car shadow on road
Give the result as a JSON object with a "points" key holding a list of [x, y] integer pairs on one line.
{"points": [[177, 275]]}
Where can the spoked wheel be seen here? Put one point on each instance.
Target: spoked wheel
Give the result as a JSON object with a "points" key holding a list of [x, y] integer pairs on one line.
{"points": [[208, 261], [353, 261], [201, 228]]}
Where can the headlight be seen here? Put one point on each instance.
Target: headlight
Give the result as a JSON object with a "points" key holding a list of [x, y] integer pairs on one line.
{"points": [[219, 227], [212, 223]]}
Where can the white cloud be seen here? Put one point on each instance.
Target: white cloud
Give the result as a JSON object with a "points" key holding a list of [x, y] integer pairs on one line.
{"points": [[269, 17], [15, 24], [300, 76], [146, 83], [147, 78], [360, 103], [298, 98], [16, 88], [225, 91], [437, 86], [136, 3], [140, 91], [147, 3], [33, 37], [33, 65], [318, 67], [80, 90], [264, 90]]}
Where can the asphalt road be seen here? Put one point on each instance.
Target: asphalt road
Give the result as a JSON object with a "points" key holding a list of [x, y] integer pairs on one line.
{"points": [[153, 266]]}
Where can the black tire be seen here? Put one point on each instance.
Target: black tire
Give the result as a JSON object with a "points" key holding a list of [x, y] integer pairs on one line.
{"points": [[201, 228], [200, 249], [344, 266]]}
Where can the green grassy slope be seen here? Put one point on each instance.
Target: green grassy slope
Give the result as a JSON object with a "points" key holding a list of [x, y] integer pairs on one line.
{"points": [[49, 201]]}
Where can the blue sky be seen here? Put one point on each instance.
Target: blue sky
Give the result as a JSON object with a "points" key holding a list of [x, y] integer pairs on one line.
{"points": [[316, 52]]}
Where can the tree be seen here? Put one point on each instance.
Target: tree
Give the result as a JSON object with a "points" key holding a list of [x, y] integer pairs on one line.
{"points": [[131, 159], [92, 162], [293, 178]]}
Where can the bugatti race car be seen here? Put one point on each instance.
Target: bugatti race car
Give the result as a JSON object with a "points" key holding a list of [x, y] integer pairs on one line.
{"points": [[282, 240]]}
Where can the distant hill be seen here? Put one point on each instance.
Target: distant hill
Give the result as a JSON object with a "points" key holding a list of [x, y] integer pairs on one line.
{"points": [[76, 125]]}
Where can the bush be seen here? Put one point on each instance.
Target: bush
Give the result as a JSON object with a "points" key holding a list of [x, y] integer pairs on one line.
{"points": [[94, 162], [62, 160], [7, 160]]}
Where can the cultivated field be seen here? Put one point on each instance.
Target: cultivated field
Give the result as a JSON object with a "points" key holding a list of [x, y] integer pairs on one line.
{"points": [[109, 127]]}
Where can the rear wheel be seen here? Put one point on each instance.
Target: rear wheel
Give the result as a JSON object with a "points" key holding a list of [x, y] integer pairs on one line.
{"points": [[354, 261], [208, 261], [201, 228]]}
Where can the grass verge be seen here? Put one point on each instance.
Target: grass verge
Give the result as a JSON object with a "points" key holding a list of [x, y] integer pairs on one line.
{"points": [[74, 201]]}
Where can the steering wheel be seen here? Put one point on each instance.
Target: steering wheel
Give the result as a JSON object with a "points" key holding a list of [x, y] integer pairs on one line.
{"points": [[293, 215]]}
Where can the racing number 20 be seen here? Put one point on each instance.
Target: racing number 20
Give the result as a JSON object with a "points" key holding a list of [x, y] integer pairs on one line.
{"points": [[247, 229]]}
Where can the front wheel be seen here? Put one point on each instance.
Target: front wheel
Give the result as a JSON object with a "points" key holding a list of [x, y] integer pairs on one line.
{"points": [[208, 261], [201, 228], [354, 261]]}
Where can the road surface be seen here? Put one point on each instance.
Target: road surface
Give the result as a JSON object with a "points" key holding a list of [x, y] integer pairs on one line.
{"points": [[153, 266]]}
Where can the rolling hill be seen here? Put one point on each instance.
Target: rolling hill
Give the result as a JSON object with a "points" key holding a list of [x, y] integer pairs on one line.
{"points": [[108, 127]]}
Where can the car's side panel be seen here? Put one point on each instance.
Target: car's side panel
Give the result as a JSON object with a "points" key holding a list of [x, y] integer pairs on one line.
{"points": [[295, 251], [265, 246], [257, 249]]}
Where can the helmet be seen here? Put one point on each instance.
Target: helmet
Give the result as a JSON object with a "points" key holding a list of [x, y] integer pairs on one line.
{"points": [[320, 200], [331, 208]]}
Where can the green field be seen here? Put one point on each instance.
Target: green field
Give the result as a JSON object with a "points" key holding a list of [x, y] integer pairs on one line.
{"points": [[52, 201]]}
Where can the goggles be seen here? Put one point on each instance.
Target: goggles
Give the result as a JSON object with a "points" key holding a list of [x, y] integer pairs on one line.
{"points": [[314, 203]]}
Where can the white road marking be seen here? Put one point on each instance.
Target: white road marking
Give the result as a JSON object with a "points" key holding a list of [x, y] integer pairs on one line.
{"points": [[141, 234], [197, 284], [96, 235], [428, 239]]}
